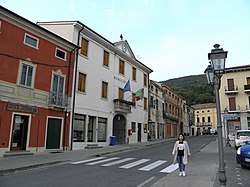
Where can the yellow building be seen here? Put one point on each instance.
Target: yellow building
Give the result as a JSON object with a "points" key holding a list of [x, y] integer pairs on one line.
{"points": [[235, 98], [205, 118]]}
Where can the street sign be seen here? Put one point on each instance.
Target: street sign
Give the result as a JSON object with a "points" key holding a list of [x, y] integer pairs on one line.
{"points": [[230, 116]]}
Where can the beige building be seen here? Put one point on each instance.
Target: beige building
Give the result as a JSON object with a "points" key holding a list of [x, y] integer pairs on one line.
{"points": [[235, 98], [156, 104], [205, 116]]}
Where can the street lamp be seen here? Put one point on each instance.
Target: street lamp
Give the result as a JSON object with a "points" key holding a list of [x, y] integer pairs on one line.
{"points": [[214, 73]]}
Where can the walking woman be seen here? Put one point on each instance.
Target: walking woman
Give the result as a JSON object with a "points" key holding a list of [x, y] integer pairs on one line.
{"points": [[181, 152]]}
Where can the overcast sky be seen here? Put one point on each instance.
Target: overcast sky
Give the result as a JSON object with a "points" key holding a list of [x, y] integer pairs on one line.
{"points": [[172, 37]]}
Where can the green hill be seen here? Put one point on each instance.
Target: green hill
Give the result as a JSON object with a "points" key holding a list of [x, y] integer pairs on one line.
{"points": [[193, 88]]}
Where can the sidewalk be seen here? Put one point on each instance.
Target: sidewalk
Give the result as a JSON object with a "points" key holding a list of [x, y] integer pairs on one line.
{"points": [[200, 171], [17, 163]]}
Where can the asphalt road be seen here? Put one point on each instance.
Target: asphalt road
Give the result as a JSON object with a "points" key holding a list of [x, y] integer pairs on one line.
{"points": [[142, 167]]}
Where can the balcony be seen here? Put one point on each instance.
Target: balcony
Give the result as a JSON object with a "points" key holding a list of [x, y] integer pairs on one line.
{"points": [[233, 109], [231, 90], [123, 106], [248, 108], [170, 117], [58, 100], [247, 88]]}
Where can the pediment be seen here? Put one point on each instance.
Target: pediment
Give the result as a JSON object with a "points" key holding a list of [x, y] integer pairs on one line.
{"points": [[124, 46]]}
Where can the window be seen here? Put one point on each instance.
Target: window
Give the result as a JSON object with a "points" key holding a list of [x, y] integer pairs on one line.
{"points": [[82, 82], [203, 119], [134, 74], [84, 47], [102, 129], [57, 96], [31, 41], [156, 104], [104, 90], [208, 119], [151, 101], [106, 58], [26, 77], [121, 67], [145, 103], [133, 99], [232, 104], [152, 88], [60, 54], [248, 122], [145, 80], [156, 91], [163, 110], [133, 126], [79, 128], [120, 94], [208, 110], [198, 120]]}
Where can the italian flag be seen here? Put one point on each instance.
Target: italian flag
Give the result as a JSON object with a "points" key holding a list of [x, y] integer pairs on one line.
{"points": [[139, 94]]}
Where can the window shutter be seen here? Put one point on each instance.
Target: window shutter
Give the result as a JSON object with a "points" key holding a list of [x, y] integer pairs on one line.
{"points": [[84, 48]]}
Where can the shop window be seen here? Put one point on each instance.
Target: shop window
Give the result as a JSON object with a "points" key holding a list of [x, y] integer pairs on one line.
{"points": [[102, 129], [79, 128], [133, 126]]}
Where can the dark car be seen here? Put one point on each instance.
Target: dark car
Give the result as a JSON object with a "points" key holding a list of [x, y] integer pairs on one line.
{"points": [[243, 154]]}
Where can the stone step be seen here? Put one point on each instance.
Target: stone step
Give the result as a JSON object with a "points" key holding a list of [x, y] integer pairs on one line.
{"points": [[17, 153], [93, 146]]}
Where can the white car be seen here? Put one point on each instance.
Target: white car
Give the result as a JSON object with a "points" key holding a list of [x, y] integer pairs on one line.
{"points": [[240, 137]]}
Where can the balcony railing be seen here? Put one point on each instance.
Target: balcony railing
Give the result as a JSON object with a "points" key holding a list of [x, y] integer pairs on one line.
{"points": [[231, 89], [233, 109], [204, 124], [58, 100], [170, 117], [247, 88], [123, 106]]}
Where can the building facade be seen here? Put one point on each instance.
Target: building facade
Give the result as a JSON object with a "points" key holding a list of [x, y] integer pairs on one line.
{"points": [[235, 98], [205, 117], [35, 86], [174, 111], [102, 109], [156, 121]]}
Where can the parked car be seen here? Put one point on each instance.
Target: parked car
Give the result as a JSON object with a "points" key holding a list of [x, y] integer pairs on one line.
{"points": [[240, 137], [243, 155]]}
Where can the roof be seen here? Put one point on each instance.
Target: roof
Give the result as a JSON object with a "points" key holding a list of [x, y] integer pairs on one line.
{"points": [[4, 10], [81, 25], [238, 68], [204, 105]]}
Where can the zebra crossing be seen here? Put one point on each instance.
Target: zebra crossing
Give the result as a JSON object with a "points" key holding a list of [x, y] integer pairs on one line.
{"points": [[128, 163]]}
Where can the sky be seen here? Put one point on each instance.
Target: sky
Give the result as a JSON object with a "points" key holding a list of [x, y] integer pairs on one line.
{"points": [[172, 37]]}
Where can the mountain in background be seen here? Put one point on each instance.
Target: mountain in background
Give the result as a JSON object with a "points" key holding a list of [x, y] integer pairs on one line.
{"points": [[193, 88]]}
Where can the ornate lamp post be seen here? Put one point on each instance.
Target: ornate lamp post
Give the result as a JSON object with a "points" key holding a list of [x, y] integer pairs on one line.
{"points": [[214, 73]]}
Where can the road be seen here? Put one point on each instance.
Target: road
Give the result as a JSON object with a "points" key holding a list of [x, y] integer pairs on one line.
{"points": [[142, 167]]}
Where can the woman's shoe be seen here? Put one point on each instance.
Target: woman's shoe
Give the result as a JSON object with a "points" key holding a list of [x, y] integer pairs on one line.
{"points": [[183, 174], [180, 174]]}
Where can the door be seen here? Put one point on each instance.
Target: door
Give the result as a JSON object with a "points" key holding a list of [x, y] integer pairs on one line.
{"points": [[19, 132], [53, 133], [119, 129], [139, 132], [230, 83]]}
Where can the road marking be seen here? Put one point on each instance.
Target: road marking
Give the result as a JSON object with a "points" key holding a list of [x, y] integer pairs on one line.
{"points": [[170, 168], [145, 182], [153, 165], [89, 160], [136, 163], [118, 162], [101, 161]]}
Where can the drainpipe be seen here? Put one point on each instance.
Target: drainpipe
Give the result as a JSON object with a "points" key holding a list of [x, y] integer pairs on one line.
{"points": [[74, 93], [67, 93]]}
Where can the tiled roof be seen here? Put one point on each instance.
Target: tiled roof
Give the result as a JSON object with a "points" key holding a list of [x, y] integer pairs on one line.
{"points": [[204, 105]]}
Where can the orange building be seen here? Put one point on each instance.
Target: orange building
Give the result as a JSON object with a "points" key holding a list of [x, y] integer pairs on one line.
{"points": [[35, 86]]}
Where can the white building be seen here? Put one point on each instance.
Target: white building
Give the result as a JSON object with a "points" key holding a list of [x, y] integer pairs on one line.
{"points": [[157, 123], [101, 107]]}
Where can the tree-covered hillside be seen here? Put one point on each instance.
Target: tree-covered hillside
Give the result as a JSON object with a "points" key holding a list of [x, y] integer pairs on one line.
{"points": [[193, 88]]}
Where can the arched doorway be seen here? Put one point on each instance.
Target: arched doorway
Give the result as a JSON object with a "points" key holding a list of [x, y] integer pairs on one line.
{"points": [[119, 128]]}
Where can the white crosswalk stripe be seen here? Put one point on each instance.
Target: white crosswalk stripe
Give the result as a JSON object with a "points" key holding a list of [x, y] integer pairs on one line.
{"points": [[170, 168], [101, 161], [104, 161], [89, 160], [153, 165], [133, 164], [118, 162]]}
